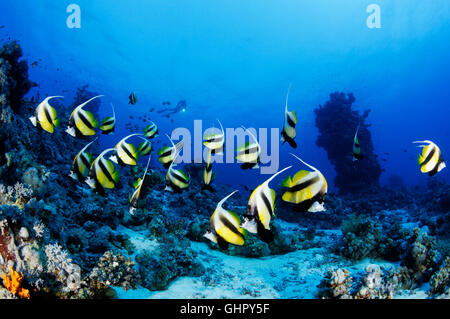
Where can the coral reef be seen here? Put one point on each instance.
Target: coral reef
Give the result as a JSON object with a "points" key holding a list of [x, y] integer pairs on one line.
{"points": [[14, 82], [14, 283], [374, 283], [65, 241], [336, 284], [440, 281], [362, 238], [337, 123], [171, 261], [114, 270]]}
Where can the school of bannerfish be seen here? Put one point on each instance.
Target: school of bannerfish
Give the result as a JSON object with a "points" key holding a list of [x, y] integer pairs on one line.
{"points": [[305, 189]]}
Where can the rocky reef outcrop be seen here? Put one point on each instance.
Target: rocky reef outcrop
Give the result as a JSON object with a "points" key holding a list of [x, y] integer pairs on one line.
{"points": [[337, 122]]}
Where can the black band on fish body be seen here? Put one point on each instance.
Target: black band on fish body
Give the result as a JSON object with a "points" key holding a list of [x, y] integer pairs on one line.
{"points": [[47, 116], [301, 186], [106, 172], [290, 122], [230, 226], [266, 202], [85, 121], [429, 157]]}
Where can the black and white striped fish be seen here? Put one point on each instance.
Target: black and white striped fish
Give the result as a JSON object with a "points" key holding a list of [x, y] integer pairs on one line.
{"points": [[82, 164], [176, 179], [167, 154], [102, 175], [45, 116], [109, 124], [306, 189], [260, 208], [249, 153], [138, 185], [82, 123], [431, 160], [224, 227], [356, 147], [132, 99], [215, 141], [290, 120], [145, 147], [125, 153], [208, 175], [151, 130]]}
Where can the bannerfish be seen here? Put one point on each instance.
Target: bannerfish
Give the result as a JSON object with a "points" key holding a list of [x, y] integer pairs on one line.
{"points": [[138, 190], [224, 227], [151, 130], [145, 147], [125, 153], [431, 160], [306, 189], [208, 175], [82, 164], [132, 99], [214, 142], [109, 123], [290, 120], [176, 179], [45, 116], [260, 208], [249, 153], [82, 123], [166, 155], [356, 148], [102, 174]]}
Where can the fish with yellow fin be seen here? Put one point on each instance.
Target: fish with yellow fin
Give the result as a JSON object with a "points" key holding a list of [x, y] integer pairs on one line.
{"points": [[138, 190], [290, 120], [224, 227], [356, 147], [82, 123], [249, 153], [145, 147], [102, 175], [260, 209], [125, 153], [176, 179], [167, 154], [431, 160], [306, 189], [151, 130], [215, 141], [45, 116], [109, 123], [208, 175], [82, 164]]}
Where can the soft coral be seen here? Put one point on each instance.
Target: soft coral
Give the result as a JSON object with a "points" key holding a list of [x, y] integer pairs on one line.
{"points": [[13, 284]]}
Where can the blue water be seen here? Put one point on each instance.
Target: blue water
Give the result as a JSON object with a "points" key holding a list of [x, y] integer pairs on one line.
{"points": [[234, 61]]}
